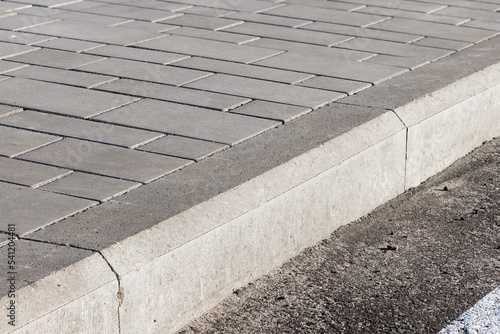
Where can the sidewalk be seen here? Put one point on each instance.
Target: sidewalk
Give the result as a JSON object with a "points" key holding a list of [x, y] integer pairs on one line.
{"points": [[154, 153]]}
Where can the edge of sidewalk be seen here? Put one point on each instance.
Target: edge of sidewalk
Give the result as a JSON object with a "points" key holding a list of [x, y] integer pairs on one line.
{"points": [[162, 255]]}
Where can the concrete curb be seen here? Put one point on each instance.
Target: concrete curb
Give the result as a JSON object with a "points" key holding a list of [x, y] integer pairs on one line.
{"points": [[159, 279]]}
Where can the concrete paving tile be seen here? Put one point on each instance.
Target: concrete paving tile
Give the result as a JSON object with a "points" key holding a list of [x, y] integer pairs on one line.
{"points": [[483, 25], [67, 44], [288, 34], [152, 4], [415, 6], [338, 85], [92, 32], [183, 147], [105, 160], [80, 129], [147, 26], [267, 19], [470, 13], [338, 68], [398, 61], [94, 187], [22, 38], [412, 15], [49, 3], [124, 52], [55, 58], [327, 4], [6, 66], [244, 6], [204, 22], [212, 35], [188, 121], [59, 99], [73, 78], [206, 11], [439, 30], [266, 90], [8, 110], [7, 6], [278, 111], [32, 209], [27, 173], [10, 49], [144, 71], [20, 21], [17, 141], [484, 5], [326, 15], [134, 13], [443, 43], [89, 17], [244, 70], [210, 49], [174, 94]]}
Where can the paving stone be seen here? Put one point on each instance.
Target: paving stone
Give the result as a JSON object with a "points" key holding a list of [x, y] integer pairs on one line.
{"points": [[415, 6], [326, 15], [22, 38], [244, 6], [144, 71], [55, 58], [18, 141], [19, 21], [443, 43], [68, 44], [204, 22], [8, 110], [483, 25], [338, 85], [48, 3], [337, 68], [183, 147], [288, 34], [10, 49], [73, 78], [470, 13], [91, 18], [147, 26], [212, 35], [398, 61], [152, 4], [266, 90], [95, 187], [439, 30], [490, 5], [6, 66], [59, 99], [27, 173], [327, 4], [92, 32], [206, 11], [6, 6], [278, 111], [127, 12], [268, 19], [80, 129], [32, 209], [106, 160], [244, 70], [188, 121], [210, 49], [412, 15], [124, 52], [174, 94]]}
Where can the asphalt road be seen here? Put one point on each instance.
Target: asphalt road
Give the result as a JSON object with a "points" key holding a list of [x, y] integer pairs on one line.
{"points": [[412, 266]]}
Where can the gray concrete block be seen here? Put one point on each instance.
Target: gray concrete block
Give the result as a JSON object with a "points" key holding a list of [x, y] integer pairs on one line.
{"points": [[414, 6], [244, 70], [49, 3], [73, 78], [147, 26], [59, 99], [490, 5], [209, 49], [22, 38], [150, 56], [17, 22], [32, 209], [327, 4], [246, 6], [6, 6], [68, 44], [266, 90], [17, 141], [206, 11], [94, 187], [204, 22], [495, 26], [212, 35], [152, 4], [175, 94], [80, 129], [348, 87], [398, 61], [90, 18], [103, 159], [188, 121], [10, 49], [281, 112], [27, 173], [443, 43], [470, 13], [183, 147], [413, 15], [268, 19], [8, 110], [55, 58]]}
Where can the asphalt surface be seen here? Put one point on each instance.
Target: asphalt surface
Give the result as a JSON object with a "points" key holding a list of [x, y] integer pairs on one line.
{"points": [[412, 266]]}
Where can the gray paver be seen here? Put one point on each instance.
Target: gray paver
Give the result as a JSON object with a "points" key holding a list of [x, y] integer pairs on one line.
{"points": [[6, 66], [266, 90], [147, 26], [413, 15], [327, 4], [188, 121], [8, 110], [245, 6], [68, 44], [55, 58], [18, 141], [339, 85], [48, 3], [183, 147], [105, 160], [398, 61], [57, 98], [91, 18], [210, 49], [415, 6], [152, 4], [268, 19], [32, 209], [20, 21], [327, 15], [470, 13], [144, 71], [288, 34], [483, 25], [205, 22], [485, 5], [28, 173], [73, 78], [244, 70], [150, 56], [96, 187], [206, 11], [80, 129], [22, 38], [10, 49], [212, 35], [174, 94], [443, 43], [264, 109], [7, 6]]}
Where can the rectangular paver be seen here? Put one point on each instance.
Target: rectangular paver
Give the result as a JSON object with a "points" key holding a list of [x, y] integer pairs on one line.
{"points": [[413, 15], [206, 11], [147, 26], [270, 110], [443, 43], [8, 110], [7, 66], [11, 49], [55, 58], [188, 121], [22, 38], [339, 85], [17, 22], [124, 52], [204, 22], [28, 173], [415, 6], [245, 6], [17, 141], [68, 44], [268, 19], [7, 6], [470, 13], [57, 98], [219, 35], [81, 129]]}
